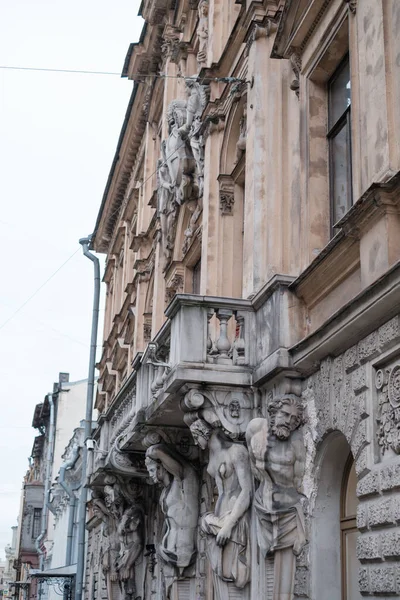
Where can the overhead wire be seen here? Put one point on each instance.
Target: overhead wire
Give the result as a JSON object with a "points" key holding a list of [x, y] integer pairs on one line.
{"points": [[37, 290], [132, 75]]}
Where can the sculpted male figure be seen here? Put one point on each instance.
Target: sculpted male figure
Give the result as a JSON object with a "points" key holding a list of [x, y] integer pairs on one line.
{"points": [[277, 455], [179, 502]]}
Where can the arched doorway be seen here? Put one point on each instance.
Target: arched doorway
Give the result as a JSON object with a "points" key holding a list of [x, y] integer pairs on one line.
{"points": [[349, 533], [334, 531]]}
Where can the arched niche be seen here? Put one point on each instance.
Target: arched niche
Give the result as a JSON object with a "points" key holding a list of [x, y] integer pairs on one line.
{"points": [[231, 136], [335, 497]]}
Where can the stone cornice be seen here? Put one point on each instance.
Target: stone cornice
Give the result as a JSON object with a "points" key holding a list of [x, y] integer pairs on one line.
{"points": [[378, 199], [363, 314], [143, 57]]}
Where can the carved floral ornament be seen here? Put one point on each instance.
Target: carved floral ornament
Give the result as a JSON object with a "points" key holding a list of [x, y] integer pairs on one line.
{"points": [[387, 383]]}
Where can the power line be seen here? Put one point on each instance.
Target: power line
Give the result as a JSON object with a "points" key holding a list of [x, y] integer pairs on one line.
{"points": [[132, 75], [38, 290], [58, 70]]}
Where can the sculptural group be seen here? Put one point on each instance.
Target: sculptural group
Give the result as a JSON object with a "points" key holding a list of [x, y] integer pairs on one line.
{"points": [[180, 169], [255, 463]]}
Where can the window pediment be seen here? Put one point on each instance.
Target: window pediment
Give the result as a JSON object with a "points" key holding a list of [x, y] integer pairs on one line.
{"points": [[298, 21]]}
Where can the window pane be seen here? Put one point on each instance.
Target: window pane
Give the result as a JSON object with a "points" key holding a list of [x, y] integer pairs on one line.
{"points": [[339, 94], [340, 166], [196, 278], [352, 566], [351, 500]]}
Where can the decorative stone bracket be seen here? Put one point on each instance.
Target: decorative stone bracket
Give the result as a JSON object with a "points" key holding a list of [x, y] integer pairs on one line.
{"points": [[226, 194], [229, 409]]}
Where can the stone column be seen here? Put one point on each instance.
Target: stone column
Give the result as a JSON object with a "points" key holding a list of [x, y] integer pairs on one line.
{"points": [[272, 196]]}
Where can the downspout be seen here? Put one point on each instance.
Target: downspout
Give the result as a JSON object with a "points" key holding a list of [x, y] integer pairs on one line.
{"points": [[80, 567], [49, 463], [69, 464]]}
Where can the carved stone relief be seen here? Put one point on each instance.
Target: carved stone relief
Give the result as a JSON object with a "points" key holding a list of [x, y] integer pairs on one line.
{"points": [[174, 286], [295, 63], [352, 5], [118, 504], [277, 456], [387, 383], [179, 503], [227, 528], [241, 143], [180, 168], [227, 409], [202, 33]]}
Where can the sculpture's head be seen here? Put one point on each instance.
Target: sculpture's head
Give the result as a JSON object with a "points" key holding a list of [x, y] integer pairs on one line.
{"points": [[155, 469], [201, 433], [203, 8], [286, 415], [110, 491]]}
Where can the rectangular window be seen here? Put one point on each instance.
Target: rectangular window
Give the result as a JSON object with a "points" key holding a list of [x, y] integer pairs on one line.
{"points": [[339, 139], [196, 278], [37, 517]]}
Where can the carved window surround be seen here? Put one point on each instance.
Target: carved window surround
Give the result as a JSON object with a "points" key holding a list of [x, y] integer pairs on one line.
{"points": [[174, 283]]}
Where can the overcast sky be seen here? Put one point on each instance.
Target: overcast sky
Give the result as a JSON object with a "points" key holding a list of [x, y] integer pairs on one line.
{"points": [[58, 134]]}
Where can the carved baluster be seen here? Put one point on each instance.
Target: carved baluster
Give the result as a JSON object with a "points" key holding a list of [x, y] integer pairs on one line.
{"points": [[159, 381], [211, 347], [223, 344], [239, 348], [153, 386]]}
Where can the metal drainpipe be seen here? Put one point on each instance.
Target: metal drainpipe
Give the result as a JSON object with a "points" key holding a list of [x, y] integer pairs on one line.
{"points": [[80, 567], [72, 501], [50, 445]]}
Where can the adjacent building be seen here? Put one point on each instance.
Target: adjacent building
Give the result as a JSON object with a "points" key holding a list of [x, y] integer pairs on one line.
{"points": [[9, 569], [47, 538]]}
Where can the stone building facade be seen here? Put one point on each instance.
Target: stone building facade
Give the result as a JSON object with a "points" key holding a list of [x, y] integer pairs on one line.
{"points": [[248, 439]]}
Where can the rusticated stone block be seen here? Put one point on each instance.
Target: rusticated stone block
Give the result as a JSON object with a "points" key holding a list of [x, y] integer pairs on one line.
{"points": [[360, 438], [363, 405], [351, 359], [362, 516], [301, 582], [369, 547], [380, 513], [362, 463], [382, 580], [363, 580], [359, 379], [390, 477], [390, 544], [396, 510], [368, 485], [389, 333], [368, 348]]}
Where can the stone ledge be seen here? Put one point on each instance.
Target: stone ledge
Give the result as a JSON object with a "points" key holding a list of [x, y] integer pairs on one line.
{"points": [[373, 308]]}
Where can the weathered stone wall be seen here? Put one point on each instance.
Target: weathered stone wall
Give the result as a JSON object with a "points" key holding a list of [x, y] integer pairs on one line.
{"points": [[343, 396]]}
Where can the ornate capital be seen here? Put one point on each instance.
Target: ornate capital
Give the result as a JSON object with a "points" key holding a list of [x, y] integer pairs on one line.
{"points": [[295, 63], [260, 31], [352, 5], [226, 194]]}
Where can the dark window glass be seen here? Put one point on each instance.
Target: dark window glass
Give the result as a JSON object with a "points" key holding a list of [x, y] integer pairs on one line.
{"points": [[339, 137], [196, 278], [37, 517]]}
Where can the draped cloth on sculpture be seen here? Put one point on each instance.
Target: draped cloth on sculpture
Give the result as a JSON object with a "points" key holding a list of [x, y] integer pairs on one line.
{"points": [[230, 562], [277, 530]]}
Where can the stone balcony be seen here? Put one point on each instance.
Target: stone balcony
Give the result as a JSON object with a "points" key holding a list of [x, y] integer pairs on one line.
{"points": [[211, 345]]}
